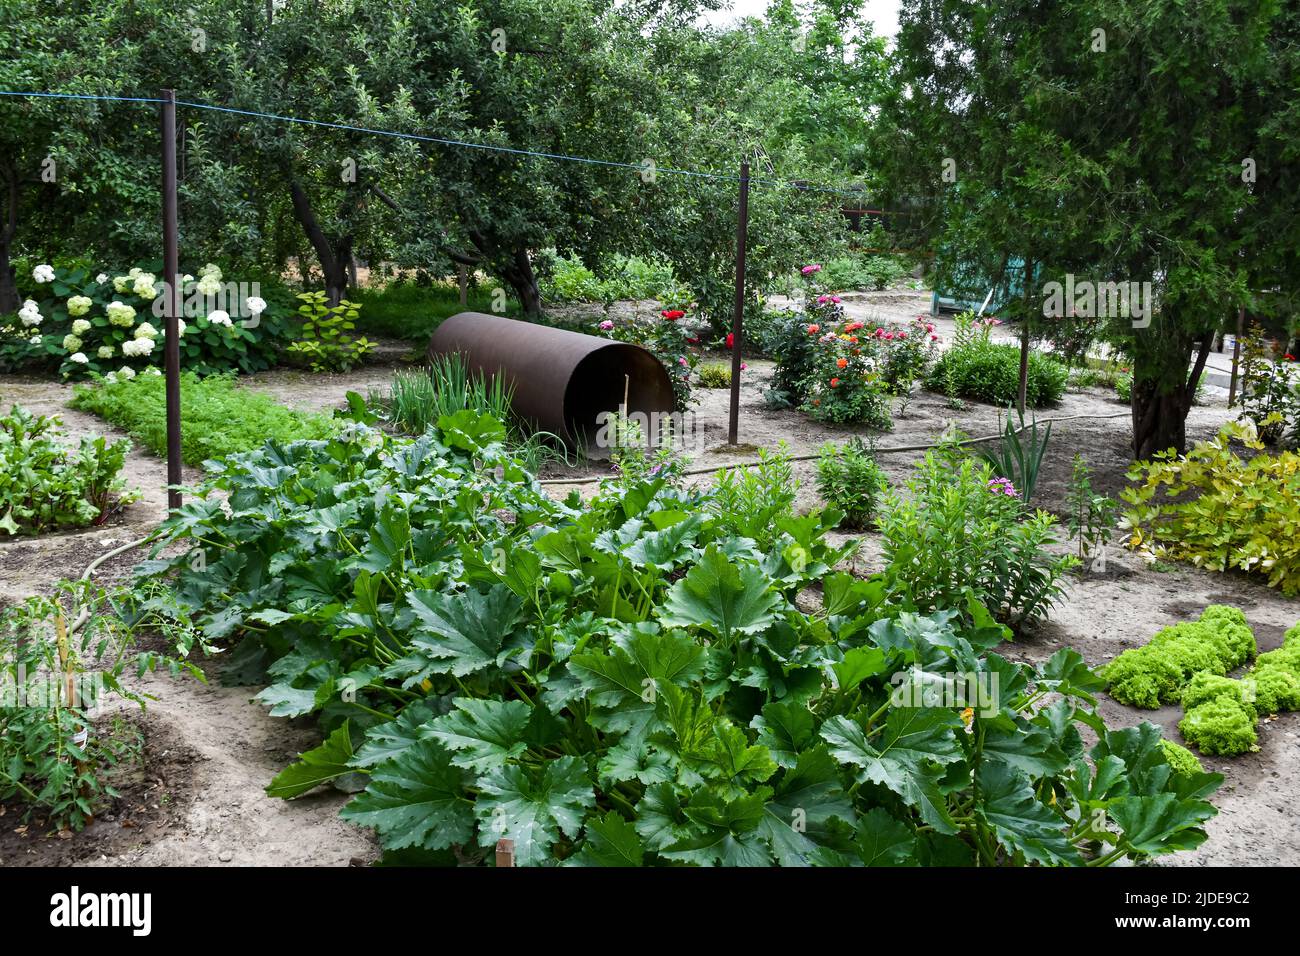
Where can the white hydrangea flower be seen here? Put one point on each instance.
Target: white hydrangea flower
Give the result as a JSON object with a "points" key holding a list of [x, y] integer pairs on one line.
{"points": [[30, 314], [145, 331], [256, 305], [181, 326], [110, 378], [80, 327], [187, 278], [135, 271], [141, 346], [78, 357], [101, 278], [34, 340], [119, 313], [71, 343], [79, 305], [144, 286], [123, 284], [151, 370], [126, 372], [209, 285], [43, 273], [105, 351], [219, 317], [211, 270]]}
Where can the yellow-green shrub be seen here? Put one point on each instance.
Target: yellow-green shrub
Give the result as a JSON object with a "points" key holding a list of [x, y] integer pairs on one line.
{"points": [[1220, 726], [1219, 511]]}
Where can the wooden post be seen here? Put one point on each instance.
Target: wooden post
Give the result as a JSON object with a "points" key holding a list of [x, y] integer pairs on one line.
{"points": [[462, 277], [737, 321], [505, 852], [1236, 354], [172, 306]]}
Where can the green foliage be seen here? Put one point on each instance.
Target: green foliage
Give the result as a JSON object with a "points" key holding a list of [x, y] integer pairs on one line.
{"points": [[566, 279], [959, 534], [47, 486], [325, 340], [83, 327], [989, 372], [850, 479], [1270, 388], [862, 271], [54, 759], [1182, 760], [417, 398], [1091, 517], [715, 375], [753, 501], [219, 417], [1220, 510], [1018, 458], [1158, 672], [625, 680], [1124, 387], [412, 310], [1221, 725]]}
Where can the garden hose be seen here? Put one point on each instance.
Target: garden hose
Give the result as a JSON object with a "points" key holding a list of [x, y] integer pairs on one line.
{"points": [[894, 449]]}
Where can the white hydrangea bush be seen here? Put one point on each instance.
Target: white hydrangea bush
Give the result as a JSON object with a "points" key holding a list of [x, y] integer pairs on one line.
{"points": [[89, 323]]}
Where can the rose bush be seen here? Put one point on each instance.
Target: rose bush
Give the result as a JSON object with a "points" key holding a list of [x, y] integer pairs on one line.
{"points": [[668, 340]]}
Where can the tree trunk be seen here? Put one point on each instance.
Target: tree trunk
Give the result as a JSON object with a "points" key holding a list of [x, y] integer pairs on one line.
{"points": [[8, 283], [333, 261], [519, 274], [1023, 390], [1161, 402]]}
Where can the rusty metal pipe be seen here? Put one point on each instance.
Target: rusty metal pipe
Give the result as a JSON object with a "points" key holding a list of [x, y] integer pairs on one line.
{"points": [[561, 380]]}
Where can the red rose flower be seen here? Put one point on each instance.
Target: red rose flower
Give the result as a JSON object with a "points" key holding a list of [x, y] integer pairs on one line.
{"points": [[731, 339], [834, 382], [672, 315]]}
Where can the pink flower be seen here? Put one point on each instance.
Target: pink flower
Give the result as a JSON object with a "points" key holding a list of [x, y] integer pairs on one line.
{"points": [[902, 333], [835, 299], [743, 366], [606, 325], [934, 338], [823, 299], [809, 270]]}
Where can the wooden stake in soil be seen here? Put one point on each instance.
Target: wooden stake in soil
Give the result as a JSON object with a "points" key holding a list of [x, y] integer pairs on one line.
{"points": [[737, 321], [1236, 355], [172, 305], [505, 852]]}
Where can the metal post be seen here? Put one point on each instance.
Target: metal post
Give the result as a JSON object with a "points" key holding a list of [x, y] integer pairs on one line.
{"points": [[1236, 354], [737, 322], [462, 280], [172, 306]]}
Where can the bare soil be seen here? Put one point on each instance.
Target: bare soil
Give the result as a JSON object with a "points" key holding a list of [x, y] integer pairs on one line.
{"points": [[211, 752]]}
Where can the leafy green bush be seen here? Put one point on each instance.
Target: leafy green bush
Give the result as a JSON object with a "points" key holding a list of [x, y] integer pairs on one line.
{"points": [[1219, 510], [1158, 672], [960, 533], [46, 486], [566, 279], [625, 680], [54, 759], [989, 372], [417, 398], [412, 310], [863, 271], [219, 418], [1124, 387], [325, 339], [1220, 726], [715, 375], [751, 502], [86, 324], [850, 479]]}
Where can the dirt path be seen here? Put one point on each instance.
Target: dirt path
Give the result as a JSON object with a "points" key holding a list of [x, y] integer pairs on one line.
{"points": [[212, 753]]}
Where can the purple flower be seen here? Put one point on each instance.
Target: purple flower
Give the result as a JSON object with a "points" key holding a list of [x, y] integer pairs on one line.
{"points": [[809, 270]]}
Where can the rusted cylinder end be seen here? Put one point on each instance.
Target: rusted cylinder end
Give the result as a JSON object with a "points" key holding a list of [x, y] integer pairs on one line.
{"points": [[562, 380]]}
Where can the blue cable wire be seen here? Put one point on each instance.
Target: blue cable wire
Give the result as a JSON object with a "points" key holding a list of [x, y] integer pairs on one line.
{"points": [[564, 157]]}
